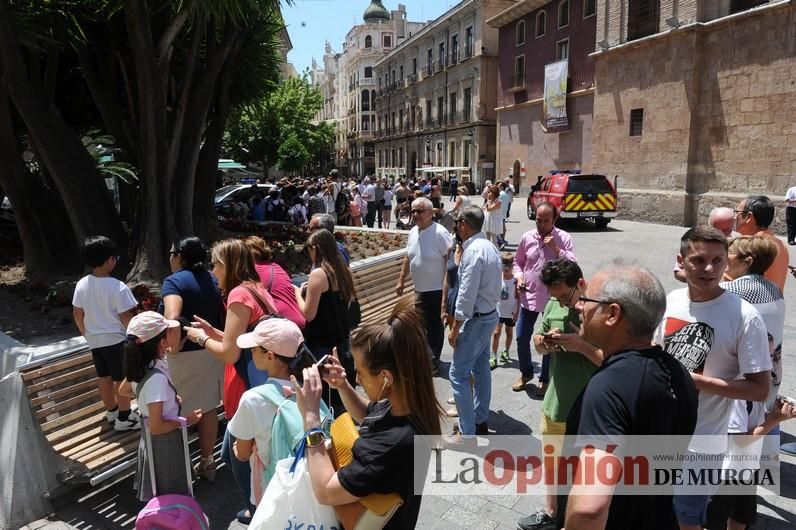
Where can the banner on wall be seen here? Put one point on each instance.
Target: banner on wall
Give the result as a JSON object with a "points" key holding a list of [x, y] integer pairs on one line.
{"points": [[555, 94]]}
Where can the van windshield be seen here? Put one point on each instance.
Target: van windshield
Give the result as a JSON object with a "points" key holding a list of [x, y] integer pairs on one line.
{"points": [[588, 184]]}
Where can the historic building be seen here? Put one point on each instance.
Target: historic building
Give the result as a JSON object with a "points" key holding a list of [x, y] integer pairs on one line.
{"points": [[538, 37], [695, 103], [436, 94], [348, 84]]}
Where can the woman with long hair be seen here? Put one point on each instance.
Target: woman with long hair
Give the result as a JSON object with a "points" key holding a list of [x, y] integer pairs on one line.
{"points": [[325, 299], [191, 290], [247, 303], [393, 366], [275, 279]]}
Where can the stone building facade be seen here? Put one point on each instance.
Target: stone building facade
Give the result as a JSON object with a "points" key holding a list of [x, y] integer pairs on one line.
{"points": [[348, 84], [436, 97], [533, 34], [695, 104]]}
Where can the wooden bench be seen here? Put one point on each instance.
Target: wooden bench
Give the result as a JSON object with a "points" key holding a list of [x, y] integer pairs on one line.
{"points": [[375, 286], [65, 400]]}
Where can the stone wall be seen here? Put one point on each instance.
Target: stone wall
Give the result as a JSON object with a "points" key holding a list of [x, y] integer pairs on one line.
{"points": [[523, 138], [719, 104]]}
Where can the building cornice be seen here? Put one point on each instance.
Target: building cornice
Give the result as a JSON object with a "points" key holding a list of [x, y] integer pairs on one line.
{"points": [[520, 9], [539, 101]]}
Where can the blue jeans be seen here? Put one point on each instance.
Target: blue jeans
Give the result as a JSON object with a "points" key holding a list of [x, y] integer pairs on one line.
{"points": [[525, 324], [240, 470], [471, 357]]}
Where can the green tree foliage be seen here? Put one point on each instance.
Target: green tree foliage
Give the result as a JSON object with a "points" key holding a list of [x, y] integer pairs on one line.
{"points": [[279, 129]]}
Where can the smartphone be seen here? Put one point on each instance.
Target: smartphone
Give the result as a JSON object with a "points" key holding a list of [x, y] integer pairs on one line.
{"points": [[321, 362], [785, 399], [792, 268], [547, 335]]}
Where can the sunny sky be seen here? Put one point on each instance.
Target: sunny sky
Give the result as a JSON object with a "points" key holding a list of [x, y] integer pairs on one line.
{"points": [[311, 23]]}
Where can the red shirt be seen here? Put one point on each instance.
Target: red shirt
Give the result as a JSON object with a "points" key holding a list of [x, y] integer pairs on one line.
{"points": [[282, 290]]}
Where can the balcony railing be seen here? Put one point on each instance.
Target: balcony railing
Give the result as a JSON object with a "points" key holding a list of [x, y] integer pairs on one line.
{"points": [[439, 65], [453, 58], [429, 69], [411, 79]]}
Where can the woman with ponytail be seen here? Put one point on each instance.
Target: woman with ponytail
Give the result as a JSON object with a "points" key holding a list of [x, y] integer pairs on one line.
{"points": [[247, 302], [393, 366], [150, 337]]}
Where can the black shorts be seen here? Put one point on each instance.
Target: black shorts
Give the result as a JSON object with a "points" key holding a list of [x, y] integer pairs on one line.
{"points": [[508, 322], [108, 361], [741, 507]]}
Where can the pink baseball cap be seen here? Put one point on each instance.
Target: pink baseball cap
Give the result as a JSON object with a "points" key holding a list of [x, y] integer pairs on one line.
{"points": [[278, 335], [148, 325]]}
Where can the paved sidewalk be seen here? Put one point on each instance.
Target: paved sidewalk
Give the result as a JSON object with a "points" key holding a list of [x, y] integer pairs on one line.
{"points": [[654, 246]]}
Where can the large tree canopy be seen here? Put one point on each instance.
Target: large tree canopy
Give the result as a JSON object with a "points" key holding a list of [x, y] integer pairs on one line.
{"points": [[162, 77], [278, 129]]}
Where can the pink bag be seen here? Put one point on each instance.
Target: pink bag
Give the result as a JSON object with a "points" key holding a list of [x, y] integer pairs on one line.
{"points": [[172, 512]]}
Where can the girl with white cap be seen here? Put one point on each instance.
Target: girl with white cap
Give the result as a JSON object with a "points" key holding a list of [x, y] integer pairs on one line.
{"points": [[150, 337]]}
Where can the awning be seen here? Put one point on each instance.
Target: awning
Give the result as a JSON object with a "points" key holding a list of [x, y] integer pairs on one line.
{"points": [[226, 163]]}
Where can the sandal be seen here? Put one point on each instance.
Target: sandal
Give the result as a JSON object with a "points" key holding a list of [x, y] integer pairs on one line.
{"points": [[244, 516], [206, 468], [452, 412]]}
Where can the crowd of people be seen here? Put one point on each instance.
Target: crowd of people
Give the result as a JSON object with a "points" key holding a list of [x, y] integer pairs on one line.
{"points": [[370, 201], [618, 356]]}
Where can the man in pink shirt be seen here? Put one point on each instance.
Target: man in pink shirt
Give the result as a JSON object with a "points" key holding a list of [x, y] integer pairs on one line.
{"points": [[536, 247]]}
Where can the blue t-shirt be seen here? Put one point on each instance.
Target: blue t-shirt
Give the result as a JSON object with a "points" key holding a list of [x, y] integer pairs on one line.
{"points": [[200, 296], [343, 253]]}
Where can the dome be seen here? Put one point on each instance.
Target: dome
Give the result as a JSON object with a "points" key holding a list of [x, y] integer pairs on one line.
{"points": [[376, 13]]}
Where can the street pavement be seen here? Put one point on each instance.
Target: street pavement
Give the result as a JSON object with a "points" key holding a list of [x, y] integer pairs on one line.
{"points": [[653, 246]]}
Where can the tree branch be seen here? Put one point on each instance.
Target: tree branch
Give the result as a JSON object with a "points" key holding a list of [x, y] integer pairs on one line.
{"points": [[165, 46]]}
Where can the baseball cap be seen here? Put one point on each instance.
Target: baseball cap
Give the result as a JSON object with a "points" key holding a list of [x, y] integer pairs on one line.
{"points": [[278, 335], [148, 325]]}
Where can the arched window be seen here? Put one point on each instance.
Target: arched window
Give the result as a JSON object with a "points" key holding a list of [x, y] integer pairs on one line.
{"points": [[541, 24], [519, 33], [368, 41], [365, 100], [563, 14]]}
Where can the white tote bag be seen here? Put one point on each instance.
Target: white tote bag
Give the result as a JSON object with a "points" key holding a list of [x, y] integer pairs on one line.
{"points": [[289, 502]]}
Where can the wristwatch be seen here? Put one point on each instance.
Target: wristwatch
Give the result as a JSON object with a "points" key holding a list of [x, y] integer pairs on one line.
{"points": [[314, 438]]}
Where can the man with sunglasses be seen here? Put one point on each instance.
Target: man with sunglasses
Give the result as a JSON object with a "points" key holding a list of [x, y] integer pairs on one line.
{"points": [[427, 249], [638, 390], [753, 217], [572, 363]]}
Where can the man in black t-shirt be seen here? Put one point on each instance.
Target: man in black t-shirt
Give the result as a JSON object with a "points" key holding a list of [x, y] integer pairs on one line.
{"points": [[638, 390]]}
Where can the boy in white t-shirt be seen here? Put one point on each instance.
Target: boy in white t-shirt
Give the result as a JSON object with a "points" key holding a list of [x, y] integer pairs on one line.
{"points": [[507, 308], [722, 340], [102, 307], [277, 347]]}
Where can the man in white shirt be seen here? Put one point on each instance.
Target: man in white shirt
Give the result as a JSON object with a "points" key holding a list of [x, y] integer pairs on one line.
{"points": [[426, 259], [790, 214], [369, 196], [721, 339]]}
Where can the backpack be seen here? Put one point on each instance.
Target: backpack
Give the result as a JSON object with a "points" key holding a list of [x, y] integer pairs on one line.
{"points": [[277, 211], [315, 205], [341, 204], [287, 429], [297, 214], [172, 512]]}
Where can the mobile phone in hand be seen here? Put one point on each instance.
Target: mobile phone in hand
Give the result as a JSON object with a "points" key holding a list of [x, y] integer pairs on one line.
{"points": [[786, 399]]}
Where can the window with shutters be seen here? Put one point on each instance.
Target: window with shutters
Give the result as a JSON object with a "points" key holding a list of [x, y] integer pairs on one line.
{"points": [[636, 122]]}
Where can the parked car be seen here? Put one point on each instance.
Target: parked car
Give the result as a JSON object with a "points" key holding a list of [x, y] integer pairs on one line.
{"points": [[227, 196], [577, 196]]}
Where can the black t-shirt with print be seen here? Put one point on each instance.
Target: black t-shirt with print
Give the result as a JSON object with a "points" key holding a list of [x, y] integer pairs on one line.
{"points": [[383, 462], [645, 392]]}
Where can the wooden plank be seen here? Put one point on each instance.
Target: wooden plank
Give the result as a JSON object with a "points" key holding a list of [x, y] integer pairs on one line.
{"points": [[91, 396], [66, 419], [115, 439], [63, 392], [57, 367], [55, 381], [91, 433], [66, 432], [127, 449]]}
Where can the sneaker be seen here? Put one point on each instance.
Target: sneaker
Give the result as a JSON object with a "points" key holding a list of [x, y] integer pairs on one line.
{"points": [[126, 425], [206, 468], [540, 520], [504, 356], [482, 429], [134, 415], [111, 415], [492, 362], [519, 384], [541, 390]]}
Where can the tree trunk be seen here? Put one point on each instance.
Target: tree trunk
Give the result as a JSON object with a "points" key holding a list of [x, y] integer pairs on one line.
{"points": [[48, 244], [74, 173]]}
